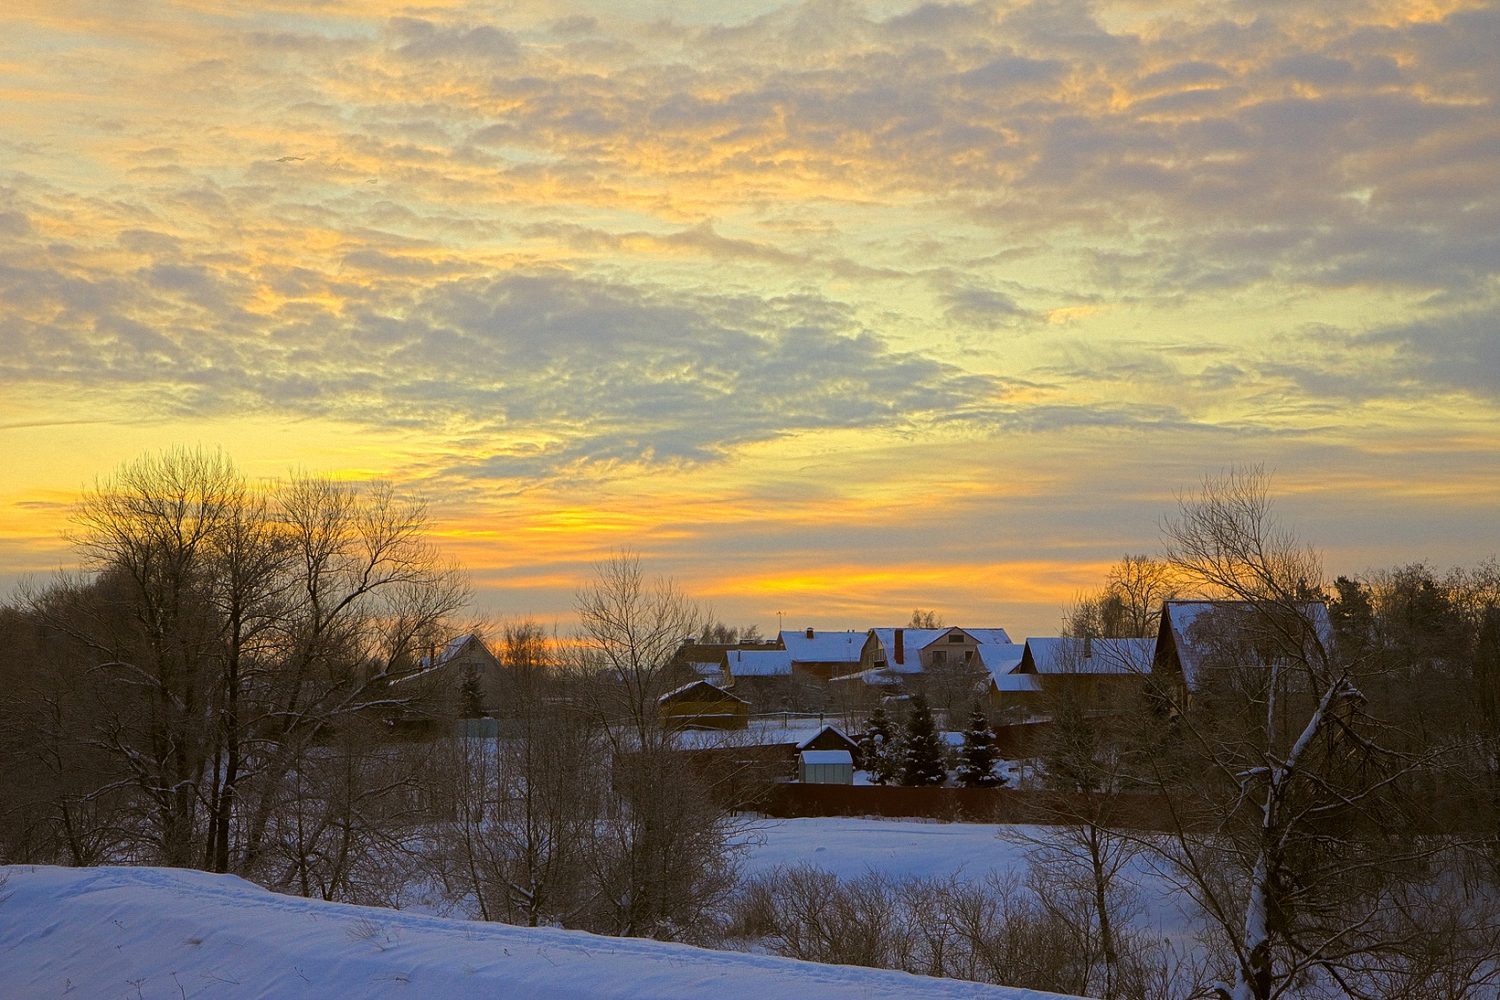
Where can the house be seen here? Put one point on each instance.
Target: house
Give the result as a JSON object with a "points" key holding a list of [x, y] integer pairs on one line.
{"points": [[1199, 636], [435, 687], [701, 705], [823, 655], [907, 651], [739, 664], [1004, 687], [764, 678], [703, 659], [1101, 674]]}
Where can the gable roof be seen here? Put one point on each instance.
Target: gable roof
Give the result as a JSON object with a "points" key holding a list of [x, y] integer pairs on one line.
{"points": [[914, 640], [709, 693], [1000, 660], [455, 649], [1065, 655], [1195, 634], [823, 647], [758, 662], [829, 738], [990, 636]]}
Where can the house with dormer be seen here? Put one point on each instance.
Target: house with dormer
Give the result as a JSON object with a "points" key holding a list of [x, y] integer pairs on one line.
{"points": [[908, 651]]}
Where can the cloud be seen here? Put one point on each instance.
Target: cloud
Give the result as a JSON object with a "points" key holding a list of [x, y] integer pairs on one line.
{"points": [[578, 251], [1460, 351], [587, 371]]}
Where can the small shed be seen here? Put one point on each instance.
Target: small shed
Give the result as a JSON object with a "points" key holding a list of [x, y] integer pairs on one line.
{"points": [[825, 767], [829, 738], [700, 705]]}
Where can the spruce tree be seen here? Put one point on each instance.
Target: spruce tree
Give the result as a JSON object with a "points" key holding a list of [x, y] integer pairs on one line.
{"points": [[470, 694], [976, 762], [879, 748], [924, 747]]}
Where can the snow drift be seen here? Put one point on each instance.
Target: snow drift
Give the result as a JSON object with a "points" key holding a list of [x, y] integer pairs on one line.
{"points": [[168, 934]]}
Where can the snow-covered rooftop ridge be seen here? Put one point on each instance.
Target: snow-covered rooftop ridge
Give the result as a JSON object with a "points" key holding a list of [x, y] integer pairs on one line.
{"points": [[759, 662], [990, 636], [719, 692], [1065, 655], [823, 647], [176, 932]]}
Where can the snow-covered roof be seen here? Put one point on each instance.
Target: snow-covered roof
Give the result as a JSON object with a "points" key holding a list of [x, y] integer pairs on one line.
{"points": [[826, 729], [826, 757], [1018, 682], [1091, 656], [875, 677], [1194, 639], [759, 662], [823, 647], [990, 636], [913, 641], [453, 648], [718, 693], [1000, 660]]}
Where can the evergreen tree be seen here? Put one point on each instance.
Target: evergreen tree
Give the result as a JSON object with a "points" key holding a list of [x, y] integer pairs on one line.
{"points": [[976, 762], [924, 747], [880, 748], [470, 694]]}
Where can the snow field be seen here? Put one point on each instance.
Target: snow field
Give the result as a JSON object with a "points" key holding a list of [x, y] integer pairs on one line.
{"points": [[850, 846], [169, 934]]}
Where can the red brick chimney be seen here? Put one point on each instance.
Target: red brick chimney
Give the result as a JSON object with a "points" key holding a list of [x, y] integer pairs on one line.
{"points": [[809, 633]]}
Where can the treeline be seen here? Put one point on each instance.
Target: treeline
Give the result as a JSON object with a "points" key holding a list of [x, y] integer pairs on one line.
{"points": [[1327, 762], [219, 688]]}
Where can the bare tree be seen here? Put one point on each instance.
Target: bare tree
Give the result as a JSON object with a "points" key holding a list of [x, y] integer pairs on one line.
{"points": [[526, 804], [227, 638], [1077, 862], [366, 594], [1129, 605], [152, 530], [925, 618], [1295, 826], [633, 627]]}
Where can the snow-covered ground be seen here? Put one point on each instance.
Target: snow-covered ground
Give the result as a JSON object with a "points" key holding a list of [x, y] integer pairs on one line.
{"points": [[849, 847], [167, 934]]}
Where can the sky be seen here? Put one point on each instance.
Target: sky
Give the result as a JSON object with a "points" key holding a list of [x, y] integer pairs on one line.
{"points": [[829, 310]]}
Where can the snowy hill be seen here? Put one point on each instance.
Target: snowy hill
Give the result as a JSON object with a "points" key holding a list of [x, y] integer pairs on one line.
{"points": [[167, 934]]}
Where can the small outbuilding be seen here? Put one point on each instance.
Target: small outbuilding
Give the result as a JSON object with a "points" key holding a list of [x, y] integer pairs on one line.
{"points": [[829, 738], [700, 705], [825, 767]]}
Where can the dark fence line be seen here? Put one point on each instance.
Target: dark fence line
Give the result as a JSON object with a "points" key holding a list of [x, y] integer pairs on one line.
{"points": [[1127, 810]]}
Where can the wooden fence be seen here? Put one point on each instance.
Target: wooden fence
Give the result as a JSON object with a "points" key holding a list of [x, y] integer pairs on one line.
{"points": [[787, 800]]}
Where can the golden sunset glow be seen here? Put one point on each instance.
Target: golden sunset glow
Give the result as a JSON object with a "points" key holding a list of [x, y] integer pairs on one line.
{"points": [[829, 309]]}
